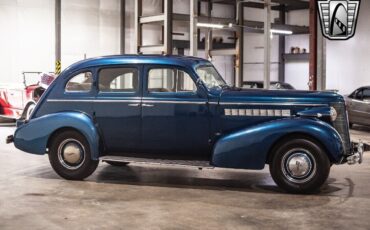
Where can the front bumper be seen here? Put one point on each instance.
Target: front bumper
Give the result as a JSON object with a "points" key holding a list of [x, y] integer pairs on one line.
{"points": [[358, 153]]}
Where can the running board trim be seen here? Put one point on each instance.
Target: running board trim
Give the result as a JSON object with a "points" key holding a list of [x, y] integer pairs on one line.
{"points": [[188, 163]]}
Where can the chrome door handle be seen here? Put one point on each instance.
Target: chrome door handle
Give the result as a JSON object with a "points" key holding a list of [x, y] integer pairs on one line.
{"points": [[147, 105], [134, 105]]}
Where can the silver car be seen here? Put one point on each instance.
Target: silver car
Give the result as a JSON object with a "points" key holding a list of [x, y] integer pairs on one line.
{"points": [[358, 104]]}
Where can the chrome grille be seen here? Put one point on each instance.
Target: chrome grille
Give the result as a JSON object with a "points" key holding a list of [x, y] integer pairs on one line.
{"points": [[341, 125]]}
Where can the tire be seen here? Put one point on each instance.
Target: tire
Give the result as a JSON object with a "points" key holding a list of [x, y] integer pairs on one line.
{"points": [[116, 163], [300, 166], [77, 165]]}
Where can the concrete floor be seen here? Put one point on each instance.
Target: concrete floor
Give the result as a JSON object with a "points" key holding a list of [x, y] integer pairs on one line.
{"points": [[32, 196]]}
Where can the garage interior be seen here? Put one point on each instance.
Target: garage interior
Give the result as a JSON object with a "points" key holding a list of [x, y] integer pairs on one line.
{"points": [[41, 35]]}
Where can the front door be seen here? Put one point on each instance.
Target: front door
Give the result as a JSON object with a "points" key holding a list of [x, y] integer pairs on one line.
{"points": [[118, 107], [175, 116]]}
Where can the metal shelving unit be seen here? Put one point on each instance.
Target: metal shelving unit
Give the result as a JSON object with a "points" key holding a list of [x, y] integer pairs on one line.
{"points": [[166, 17]]}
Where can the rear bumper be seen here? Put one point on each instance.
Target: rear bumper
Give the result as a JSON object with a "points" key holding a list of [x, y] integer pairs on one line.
{"points": [[10, 139], [357, 153]]}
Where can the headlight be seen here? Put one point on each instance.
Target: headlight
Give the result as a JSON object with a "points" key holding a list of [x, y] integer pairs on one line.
{"points": [[333, 114]]}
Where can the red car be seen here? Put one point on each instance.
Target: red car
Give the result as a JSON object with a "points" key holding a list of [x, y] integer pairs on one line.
{"points": [[19, 101]]}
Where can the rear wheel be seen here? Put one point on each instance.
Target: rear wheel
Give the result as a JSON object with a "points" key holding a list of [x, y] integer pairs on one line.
{"points": [[300, 166], [29, 111], [70, 156]]}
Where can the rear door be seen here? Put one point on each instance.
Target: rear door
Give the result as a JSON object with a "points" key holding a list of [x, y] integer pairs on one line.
{"points": [[117, 107]]}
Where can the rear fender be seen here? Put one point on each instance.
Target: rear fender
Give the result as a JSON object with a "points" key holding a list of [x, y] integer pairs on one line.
{"points": [[249, 148], [33, 136]]}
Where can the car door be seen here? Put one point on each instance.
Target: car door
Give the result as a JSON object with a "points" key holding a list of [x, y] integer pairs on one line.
{"points": [[356, 107], [366, 105], [175, 114], [117, 107]]}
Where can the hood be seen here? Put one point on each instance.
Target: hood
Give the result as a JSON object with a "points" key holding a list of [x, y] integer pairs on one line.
{"points": [[280, 96]]}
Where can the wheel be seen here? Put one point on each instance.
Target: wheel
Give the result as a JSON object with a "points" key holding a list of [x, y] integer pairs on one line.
{"points": [[300, 166], [29, 111], [116, 163], [70, 156]]}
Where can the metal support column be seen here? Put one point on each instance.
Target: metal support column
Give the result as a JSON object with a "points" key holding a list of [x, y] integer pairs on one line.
{"points": [[167, 34], [282, 15], [313, 45], [267, 29], [239, 57], [138, 12], [193, 28], [122, 26], [321, 62], [58, 48], [208, 38]]}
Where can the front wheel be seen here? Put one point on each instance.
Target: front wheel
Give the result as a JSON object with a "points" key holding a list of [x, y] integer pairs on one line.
{"points": [[300, 166], [70, 156]]}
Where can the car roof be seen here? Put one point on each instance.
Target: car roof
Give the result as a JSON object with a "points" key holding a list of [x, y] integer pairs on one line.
{"points": [[184, 61]]}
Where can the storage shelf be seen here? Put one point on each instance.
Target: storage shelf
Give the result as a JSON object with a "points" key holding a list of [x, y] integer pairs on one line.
{"points": [[296, 57]]}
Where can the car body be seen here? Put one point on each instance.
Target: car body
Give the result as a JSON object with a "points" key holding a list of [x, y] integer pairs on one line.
{"points": [[19, 100], [273, 85], [358, 105], [179, 110]]}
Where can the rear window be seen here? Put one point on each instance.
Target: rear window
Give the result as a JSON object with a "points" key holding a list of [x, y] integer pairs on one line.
{"points": [[81, 82], [118, 80]]}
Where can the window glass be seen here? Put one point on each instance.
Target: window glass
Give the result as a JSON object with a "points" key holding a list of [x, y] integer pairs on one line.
{"points": [[169, 80], [358, 95], [210, 77], [80, 83], [366, 94], [118, 80]]}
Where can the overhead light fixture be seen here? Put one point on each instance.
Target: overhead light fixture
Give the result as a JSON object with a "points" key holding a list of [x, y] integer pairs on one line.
{"points": [[210, 25], [275, 31]]}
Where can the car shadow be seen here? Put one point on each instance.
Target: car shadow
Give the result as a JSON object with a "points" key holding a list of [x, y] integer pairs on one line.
{"points": [[210, 179]]}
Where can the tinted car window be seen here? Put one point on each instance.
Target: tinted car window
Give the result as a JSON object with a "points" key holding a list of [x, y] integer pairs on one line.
{"points": [[169, 80], [118, 80], [366, 94], [81, 82]]}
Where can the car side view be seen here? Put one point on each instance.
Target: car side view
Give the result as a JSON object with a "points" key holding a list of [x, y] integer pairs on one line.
{"points": [[358, 104], [179, 110]]}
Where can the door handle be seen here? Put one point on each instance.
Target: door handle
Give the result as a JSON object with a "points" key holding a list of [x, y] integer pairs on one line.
{"points": [[134, 105], [147, 105]]}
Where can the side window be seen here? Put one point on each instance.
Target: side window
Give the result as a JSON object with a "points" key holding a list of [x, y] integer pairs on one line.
{"points": [[82, 82], [358, 95], [169, 80], [118, 80], [366, 95]]}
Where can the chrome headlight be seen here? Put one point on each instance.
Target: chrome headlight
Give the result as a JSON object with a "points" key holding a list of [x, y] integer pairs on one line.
{"points": [[333, 114]]}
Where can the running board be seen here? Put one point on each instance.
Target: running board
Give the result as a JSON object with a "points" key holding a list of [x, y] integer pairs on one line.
{"points": [[198, 164]]}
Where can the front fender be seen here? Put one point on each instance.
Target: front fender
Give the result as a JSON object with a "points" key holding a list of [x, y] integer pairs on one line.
{"points": [[32, 137], [249, 148]]}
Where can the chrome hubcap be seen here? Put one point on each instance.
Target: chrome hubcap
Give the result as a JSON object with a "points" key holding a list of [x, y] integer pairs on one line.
{"points": [[298, 166], [71, 154]]}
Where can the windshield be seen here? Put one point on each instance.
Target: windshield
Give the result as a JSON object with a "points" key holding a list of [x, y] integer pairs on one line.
{"points": [[210, 77]]}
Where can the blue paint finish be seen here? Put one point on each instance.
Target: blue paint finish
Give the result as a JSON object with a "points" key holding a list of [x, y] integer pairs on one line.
{"points": [[172, 126], [33, 136], [249, 147]]}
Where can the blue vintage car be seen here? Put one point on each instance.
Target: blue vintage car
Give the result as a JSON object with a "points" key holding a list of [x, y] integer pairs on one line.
{"points": [[179, 110]]}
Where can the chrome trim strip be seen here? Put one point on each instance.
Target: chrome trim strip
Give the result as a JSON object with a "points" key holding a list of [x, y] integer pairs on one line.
{"points": [[271, 104], [94, 100], [176, 102]]}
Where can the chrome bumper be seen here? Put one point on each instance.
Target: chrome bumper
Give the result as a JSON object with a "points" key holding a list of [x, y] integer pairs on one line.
{"points": [[10, 139], [358, 153]]}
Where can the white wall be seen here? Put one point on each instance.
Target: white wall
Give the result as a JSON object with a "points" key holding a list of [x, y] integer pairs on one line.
{"points": [[27, 41], [348, 61]]}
